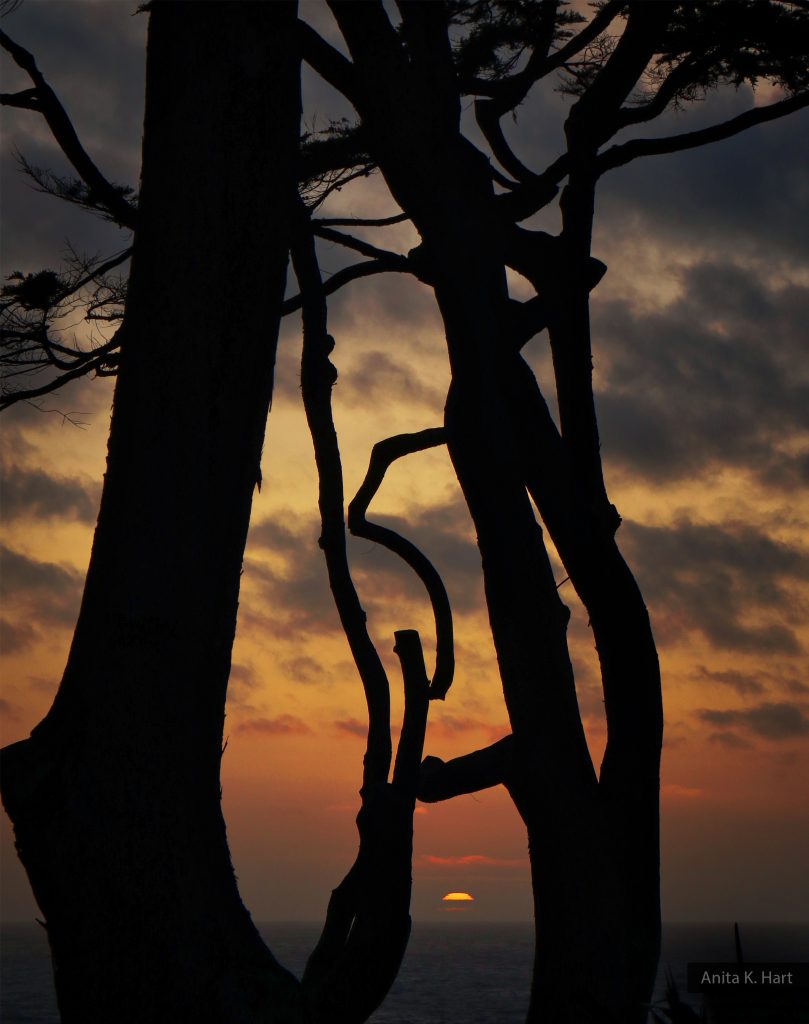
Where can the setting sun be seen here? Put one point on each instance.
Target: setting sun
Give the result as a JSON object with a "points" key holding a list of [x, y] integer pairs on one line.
{"points": [[457, 896]]}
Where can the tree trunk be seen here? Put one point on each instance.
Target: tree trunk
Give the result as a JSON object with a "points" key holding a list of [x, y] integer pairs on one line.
{"points": [[593, 843], [115, 798]]}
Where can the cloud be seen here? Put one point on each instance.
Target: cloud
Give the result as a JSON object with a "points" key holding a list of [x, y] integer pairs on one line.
{"points": [[715, 377], [741, 682], [731, 740], [304, 669], [282, 725], [674, 791], [376, 377], [49, 593], [472, 860], [242, 682], [448, 726], [770, 720], [730, 581], [103, 94], [33, 494], [352, 726], [16, 636], [296, 584], [746, 193], [8, 709]]}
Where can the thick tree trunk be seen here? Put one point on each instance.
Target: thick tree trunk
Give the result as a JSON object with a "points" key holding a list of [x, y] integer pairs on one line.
{"points": [[115, 798]]}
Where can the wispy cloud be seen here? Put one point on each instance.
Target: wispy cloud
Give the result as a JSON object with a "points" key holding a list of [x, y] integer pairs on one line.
{"points": [[771, 720], [472, 860], [282, 725]]}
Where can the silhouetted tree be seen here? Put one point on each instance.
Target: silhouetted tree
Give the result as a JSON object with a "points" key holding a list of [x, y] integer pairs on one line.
{"points": [[593, 835], [115, 797]]}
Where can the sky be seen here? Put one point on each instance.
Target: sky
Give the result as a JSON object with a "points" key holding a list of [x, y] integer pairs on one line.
{"points": [[702, 386]]}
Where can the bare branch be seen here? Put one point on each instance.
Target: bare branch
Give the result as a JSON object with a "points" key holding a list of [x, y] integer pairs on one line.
{"points": [[13, 397], [317, 378], [25, 100], [368, 268], [534, 193], [357, 244], [617, 156], [383, 455], [442, 780], [105, 193], [360, 222], [488, 120], [414, 724], [327, 61], [673, 85]]}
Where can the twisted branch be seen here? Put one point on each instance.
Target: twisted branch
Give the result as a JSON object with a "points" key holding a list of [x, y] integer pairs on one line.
{"points": [[383, 455]]}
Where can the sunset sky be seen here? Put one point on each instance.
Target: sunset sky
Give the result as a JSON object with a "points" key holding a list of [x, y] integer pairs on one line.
{"points": [[702, 376]]}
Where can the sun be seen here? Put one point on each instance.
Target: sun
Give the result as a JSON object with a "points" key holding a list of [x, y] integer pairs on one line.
{"points": [[462, 896]]}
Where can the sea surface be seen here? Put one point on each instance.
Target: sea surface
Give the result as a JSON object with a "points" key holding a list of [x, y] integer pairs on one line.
{"points": [[453, 973]]}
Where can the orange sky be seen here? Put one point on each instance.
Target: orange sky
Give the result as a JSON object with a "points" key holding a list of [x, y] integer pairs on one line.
{"points": [[700, 395]]}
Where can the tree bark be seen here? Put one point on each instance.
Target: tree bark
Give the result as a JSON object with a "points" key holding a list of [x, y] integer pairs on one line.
{"points": [[115, 798]]}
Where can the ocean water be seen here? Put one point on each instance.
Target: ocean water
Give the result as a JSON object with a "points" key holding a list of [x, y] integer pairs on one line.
{"points": [[453, 973]]}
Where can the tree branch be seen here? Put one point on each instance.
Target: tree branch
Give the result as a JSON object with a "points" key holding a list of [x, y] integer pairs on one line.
{"points": [[680, 78], [534, 193], [357, 244], [383, 455], [327, 61], [360, 222], [488, 121], [104, 193], [317, 378], [509, 92], [592, 118], [12, 397], [368, 268], [414, 724], [443, 780], [617, 156]]}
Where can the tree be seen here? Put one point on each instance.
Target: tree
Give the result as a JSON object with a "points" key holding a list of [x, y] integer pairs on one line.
{"points": [[115, 798], [593, 836]]}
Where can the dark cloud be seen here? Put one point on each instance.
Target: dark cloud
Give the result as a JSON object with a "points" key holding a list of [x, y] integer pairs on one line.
{"points": [[298, 590], [443, 535], [352, 727], [49, 593], [378, 378], [33, 494], [716, 377], [731, 740], [741, 682], [93, 55], [297, 597], [280, 533], [16, 636], [770, 720], [282, 725], [714, 577], [744, 193], [242, 683], [304, 670], [8, 709]]}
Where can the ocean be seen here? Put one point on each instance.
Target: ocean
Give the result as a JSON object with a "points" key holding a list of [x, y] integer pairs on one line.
{"points": [[453, 973]]}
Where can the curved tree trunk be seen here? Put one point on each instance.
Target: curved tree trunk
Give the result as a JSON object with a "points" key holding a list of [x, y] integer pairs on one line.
{"points": [[115, 798]]}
